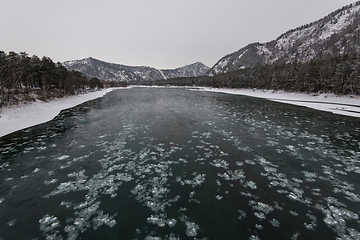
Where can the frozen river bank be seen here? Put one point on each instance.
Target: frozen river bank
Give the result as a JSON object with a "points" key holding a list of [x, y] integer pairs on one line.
{"points": [[16, 118], [170, 163]]}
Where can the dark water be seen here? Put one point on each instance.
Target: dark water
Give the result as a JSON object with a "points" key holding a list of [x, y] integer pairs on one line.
{"points": [[179, 164]]}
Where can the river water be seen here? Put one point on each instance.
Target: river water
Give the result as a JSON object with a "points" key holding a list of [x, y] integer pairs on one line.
{"points": [[168, 163]]}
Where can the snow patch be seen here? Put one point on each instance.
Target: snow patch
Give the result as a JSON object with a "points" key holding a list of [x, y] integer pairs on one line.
{"points": [[162, 74], [19, 117]]}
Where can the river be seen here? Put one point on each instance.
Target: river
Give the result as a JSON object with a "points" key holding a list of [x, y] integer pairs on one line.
{"points": [[170, 163]]}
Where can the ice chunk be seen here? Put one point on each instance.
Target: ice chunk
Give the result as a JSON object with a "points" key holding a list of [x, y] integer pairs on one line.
{"points": [[11, 223], [219, 197], [252, 237], [48, 182], [171, 222], [48, 223], [153, 219], [250, 184], [220, 163], [152, 238], [275, 222], [62, 157], [191, 229], [242, 214]]}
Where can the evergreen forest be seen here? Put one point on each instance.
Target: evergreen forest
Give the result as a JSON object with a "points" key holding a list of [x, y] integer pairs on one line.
{"points": [[339, 74], [27, 79]]}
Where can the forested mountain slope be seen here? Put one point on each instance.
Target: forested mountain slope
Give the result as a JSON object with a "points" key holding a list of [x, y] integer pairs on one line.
{"points": [[336, 34]]}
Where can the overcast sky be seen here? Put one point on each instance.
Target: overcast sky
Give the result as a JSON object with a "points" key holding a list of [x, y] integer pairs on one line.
{"points": [[157, 33]]}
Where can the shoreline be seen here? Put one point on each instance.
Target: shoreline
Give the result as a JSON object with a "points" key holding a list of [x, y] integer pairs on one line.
{"points": [[342, 105], [15, 118]]}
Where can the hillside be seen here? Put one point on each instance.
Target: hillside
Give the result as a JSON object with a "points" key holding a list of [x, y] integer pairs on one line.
{"points": [[94, 68], [336, 34]]}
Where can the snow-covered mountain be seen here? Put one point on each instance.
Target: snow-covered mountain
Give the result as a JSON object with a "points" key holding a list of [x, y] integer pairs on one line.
{"points": [[192, 70], [336, 33], [92, 67]]}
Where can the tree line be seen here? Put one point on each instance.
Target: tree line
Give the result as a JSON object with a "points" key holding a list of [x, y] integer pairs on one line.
{"points": [[26, 79], [332, 74]]}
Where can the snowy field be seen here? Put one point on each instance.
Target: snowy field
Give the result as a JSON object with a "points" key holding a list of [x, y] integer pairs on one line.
{"points": [[19, 117], [343, 105]]}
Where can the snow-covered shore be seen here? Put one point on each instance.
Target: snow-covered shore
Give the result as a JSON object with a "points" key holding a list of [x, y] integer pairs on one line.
{"points": [[19, 117], [343, 105]]}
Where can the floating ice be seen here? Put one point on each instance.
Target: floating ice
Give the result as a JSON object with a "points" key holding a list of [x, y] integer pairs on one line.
{"points": [[67, 204], [219, 197], [196, 181], [336, 218], [253, 237], [48, 223], [152, 238], [260, 215], [242, 214], [171, 222], [220, 163], [239, 163], [191, 229], [251, 162], [250, 184], [263, 209], [11, 223], [293, 213], [295, 236], [293, 196], [62, 157], [310, 176], [312, 225], [275, 222], [52, 181]]}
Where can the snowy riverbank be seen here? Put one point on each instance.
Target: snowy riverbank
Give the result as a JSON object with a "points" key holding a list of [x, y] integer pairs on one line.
{"points": [[15, 118], [343, 105], [19, 117]]}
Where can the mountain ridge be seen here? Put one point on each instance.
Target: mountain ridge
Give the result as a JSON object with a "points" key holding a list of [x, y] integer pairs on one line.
{"points": [[94, 68], [329, 35]]}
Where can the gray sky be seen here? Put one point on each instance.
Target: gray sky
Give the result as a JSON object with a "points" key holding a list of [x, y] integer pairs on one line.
{"points": [[157, 33]]}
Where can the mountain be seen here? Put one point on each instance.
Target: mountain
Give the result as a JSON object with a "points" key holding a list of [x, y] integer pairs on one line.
{"points": [[94, 68], [192, 70], [335, 34]]}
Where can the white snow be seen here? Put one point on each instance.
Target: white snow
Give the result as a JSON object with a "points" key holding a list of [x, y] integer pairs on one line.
{"points": [[19, 117], [343, 19], [343, 105], [240, 56], [162, 74], [219, 67], [264, 51]]}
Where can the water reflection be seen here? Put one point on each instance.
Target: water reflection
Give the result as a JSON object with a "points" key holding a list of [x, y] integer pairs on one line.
{"points": [[176, 164]]}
